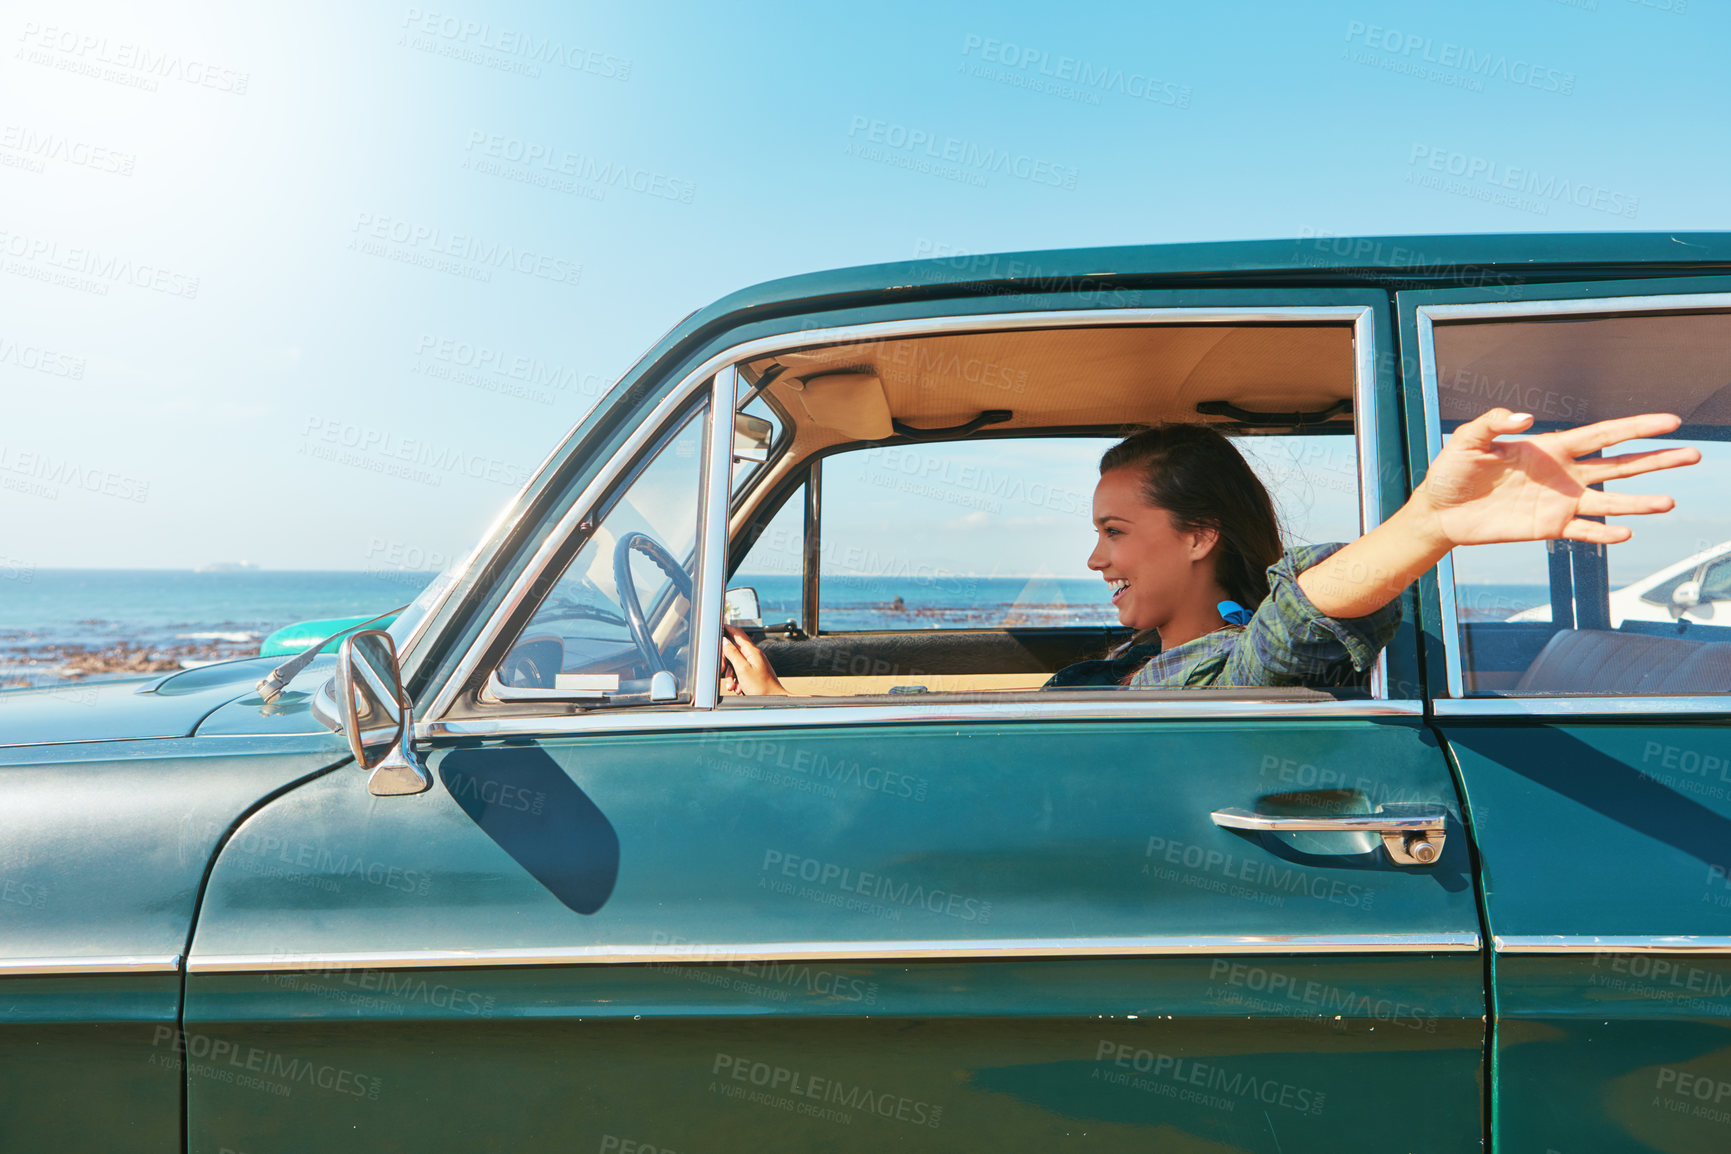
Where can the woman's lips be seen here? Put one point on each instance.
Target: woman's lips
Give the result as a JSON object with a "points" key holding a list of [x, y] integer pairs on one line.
{"points": [[1118, 592]]}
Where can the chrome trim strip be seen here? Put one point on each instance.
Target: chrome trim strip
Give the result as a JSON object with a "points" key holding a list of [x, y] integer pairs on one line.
{"points": [[1369, 460], [698, 953], [460, 575], [1613, 944], [1662, 303], [712, 541], [1578, 706], [101, 964], [1445, 569], [1360, 316], [1425, 316], [568, 523], [942, 709]]}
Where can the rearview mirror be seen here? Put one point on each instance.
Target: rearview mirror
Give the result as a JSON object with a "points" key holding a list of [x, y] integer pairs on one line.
{"points": [[751, 438], [376, 717]]}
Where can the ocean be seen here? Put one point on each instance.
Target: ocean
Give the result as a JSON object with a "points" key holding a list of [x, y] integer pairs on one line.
{"points": [[56, 620], [52, 617]]}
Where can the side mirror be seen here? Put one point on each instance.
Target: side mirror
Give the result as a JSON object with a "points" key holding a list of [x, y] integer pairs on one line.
{"points": [[740, 607], [1685, 597], [376, 717]]}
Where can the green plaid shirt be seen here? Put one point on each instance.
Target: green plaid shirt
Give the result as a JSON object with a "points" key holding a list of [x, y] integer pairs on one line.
{"points": [[1288, 641]]}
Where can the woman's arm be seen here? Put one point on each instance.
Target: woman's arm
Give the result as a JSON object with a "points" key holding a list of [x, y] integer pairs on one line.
{"points": [[1481, 491]]}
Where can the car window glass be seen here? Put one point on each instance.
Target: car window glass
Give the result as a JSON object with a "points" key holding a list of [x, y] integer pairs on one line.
{"points": [[996, 533], [1564, 617], [1716, 583], [581, 637], [774, 565]]}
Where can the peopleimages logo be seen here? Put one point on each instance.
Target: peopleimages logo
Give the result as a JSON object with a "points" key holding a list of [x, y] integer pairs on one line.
{"points": [[1087, 78], [41, 360], [63, 471], [1205, 1076], [557, 161], [325, 437], [1412, 48], [413, 243], [965, 156], [103, 268], [1543, 187], [233, 1062], [512, 49], [100, 57], [800, 1084], [872, 886], [39, 147]]}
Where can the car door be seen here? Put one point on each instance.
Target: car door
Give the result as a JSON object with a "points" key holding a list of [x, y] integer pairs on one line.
{"points": [[1592, 749], [626, 922]]}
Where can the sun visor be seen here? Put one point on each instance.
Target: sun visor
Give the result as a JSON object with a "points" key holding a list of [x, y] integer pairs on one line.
{"points": [[852, 403]]}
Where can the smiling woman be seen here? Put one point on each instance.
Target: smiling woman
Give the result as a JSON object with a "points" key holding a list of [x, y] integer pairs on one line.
{"points": [[1187, 538]]}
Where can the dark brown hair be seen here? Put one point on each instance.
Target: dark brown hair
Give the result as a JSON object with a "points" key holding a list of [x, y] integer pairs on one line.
{"points": [[1203, 482]]}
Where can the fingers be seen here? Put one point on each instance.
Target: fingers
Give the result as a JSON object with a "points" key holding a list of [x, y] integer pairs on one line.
{"points": [[1633, 464], [1596, 532], [735, 655], [742, 644], [751, 669], [1478, 433], [1588, 438], [1599, 504]]}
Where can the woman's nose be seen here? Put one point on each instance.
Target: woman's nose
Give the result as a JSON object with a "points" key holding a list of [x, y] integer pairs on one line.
{"points": [[1095, 561]]}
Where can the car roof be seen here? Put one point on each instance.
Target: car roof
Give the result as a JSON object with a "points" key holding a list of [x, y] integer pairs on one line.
{"points": [[1434, 260]]}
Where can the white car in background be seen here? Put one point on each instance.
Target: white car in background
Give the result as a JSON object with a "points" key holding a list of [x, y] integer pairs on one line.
{"points": [[1697, 588]]}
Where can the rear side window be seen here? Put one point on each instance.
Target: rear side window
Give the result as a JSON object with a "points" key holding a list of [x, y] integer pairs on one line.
{"points": [[1651, 616]]}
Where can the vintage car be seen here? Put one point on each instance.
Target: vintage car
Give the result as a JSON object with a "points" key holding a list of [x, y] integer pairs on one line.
{"points": [[516, 875]]}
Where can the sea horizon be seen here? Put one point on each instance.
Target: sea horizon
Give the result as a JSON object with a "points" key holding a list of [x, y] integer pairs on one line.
{"points": [[81, 623]]}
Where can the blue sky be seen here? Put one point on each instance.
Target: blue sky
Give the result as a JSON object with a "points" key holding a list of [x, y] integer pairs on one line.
{"points": [[293, 195]]}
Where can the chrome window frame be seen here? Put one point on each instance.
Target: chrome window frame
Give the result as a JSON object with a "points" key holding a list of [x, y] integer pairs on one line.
{"points": [[623, 460], [1457, 703], [717, 374]]}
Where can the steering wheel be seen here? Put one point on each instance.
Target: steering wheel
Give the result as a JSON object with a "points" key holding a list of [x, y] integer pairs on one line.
{"points": [[628, 599]]}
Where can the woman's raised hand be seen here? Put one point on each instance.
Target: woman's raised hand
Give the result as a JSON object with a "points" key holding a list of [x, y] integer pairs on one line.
{"points": [[1480, 490]]}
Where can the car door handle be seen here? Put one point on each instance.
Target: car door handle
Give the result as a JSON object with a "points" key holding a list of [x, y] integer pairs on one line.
{"points": [[1411, 837]]}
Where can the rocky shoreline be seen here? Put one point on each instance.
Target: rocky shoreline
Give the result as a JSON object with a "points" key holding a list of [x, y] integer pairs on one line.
{"points": [[25, 666]]}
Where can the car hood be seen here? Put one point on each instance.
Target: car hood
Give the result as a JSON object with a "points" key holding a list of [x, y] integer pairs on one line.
{"points": [[169, 706]]}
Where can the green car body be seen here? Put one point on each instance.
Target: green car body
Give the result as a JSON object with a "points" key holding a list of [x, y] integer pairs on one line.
{"points": [[990, 926]]}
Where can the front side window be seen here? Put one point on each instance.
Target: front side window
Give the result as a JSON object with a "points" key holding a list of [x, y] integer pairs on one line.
{"points": [[621, 611], [1645, 617], [949, 534]]}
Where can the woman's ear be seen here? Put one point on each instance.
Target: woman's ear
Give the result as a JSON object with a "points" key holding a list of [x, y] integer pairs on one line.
{"points": [[1202, 542]]}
